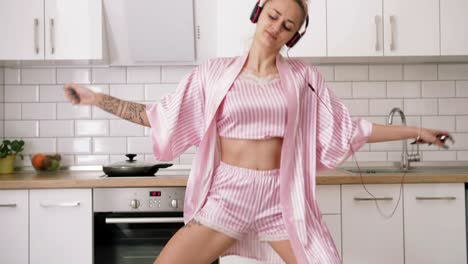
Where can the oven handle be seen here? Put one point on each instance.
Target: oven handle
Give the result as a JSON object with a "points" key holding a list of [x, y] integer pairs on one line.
{"points": [[144, 220]]}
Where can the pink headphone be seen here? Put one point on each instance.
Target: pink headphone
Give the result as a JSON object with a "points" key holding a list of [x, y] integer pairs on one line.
{"points": [[297, 36]]}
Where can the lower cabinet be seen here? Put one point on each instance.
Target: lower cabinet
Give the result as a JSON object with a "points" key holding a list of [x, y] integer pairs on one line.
{"points": [[14, 211]]}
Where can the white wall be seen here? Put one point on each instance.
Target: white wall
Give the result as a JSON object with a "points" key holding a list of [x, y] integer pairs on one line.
{"points": [[432, 95], [1, 103]]}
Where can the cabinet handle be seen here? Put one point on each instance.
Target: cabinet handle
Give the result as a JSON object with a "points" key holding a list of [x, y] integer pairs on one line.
{"points": [[376, 33], [392, 21], [73, 204], [36, 35], [373, 199], [144, 220], [8, 205], [52, 37], [449, 198]]}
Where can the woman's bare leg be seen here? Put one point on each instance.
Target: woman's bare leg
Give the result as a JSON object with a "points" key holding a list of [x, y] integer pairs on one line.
{"points": [[284, 250], [194, 243]]}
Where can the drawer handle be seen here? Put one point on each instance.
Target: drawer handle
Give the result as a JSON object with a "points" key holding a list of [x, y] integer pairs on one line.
{"points": [[377, 45], [73, 204], [392, 25], [52, 36], [373, 199], [144, 220], [448, 198], [36, 35], [8, 205]]}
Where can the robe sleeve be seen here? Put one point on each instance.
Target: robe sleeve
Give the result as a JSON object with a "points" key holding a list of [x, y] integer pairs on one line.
{"points": [[177, 120], [338, 134]]}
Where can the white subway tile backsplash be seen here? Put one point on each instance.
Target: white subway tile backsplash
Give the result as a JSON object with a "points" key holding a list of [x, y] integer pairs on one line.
{"points": [[69, 111], [369, 89], [99, 88], [174, 74], [91, 128], [386, 146], [439, 155], [383, 106], [52, 93], [129, 92], [38, 76], [351, 72], [461, 141], [357, 107], [462, 155], [12, 76], [36, 111], [151, 159], [327, 71], [368, 156], [56, 128], [39, 145], [2, 79], [457, 106], [404, 89], [438, 89], [186, 159], [143, 74], [453, 71], [76, 75], [462, 88], [92, 160], [420, 106], [125, 128], [341, 89], [2, 93], [439, 122], [21, 93], [110, 145], [154, 92], [12, 111], [419, 72], [74, 145], [139, 145], [385, 72], [462, 123], [109, 75], [21, 129]]}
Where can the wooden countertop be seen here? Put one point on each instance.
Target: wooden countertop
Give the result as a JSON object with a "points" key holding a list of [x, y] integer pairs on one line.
{"points": [[172, 178]]}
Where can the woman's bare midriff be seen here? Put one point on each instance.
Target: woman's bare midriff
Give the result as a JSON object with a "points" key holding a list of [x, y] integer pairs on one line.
{"points": [[263, 154]]}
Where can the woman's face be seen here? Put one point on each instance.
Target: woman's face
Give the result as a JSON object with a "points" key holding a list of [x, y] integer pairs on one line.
{"points": [[278, 22]]}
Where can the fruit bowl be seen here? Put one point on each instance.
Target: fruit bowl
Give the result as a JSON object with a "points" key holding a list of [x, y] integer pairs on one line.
{"points": [[45, 162]]}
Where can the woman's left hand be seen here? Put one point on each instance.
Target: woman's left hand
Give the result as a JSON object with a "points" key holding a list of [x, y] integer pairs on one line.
{"points": [[431, 136]]}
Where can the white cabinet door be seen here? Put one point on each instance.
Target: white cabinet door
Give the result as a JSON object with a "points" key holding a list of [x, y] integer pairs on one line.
{"points": [[22, 29], [73, 29], [61, 226], [369, 237], [314, 42], [206, 28], [454, 30], [435, 229], [235, 31], [354, 28], [411, 28], [14, 238]]}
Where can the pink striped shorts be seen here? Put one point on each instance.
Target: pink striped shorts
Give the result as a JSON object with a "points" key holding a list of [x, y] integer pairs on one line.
{"points": [[243, 200]]}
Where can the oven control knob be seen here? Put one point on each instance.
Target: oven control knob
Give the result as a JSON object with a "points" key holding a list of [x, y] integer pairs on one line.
{"points": [[135, 204], [174, 203]]}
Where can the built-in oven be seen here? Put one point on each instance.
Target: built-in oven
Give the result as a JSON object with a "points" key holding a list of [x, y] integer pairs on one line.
{"points": [[132, 225]]}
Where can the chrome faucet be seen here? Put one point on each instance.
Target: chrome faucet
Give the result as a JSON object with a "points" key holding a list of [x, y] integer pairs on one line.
{"points": [[406, 158]]}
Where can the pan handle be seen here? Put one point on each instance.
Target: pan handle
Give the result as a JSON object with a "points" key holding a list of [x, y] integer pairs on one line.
{"points": [[156, 167]]}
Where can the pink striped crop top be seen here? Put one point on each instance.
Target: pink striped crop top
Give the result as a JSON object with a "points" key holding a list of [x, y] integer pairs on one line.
{"points": [[254, 108]]}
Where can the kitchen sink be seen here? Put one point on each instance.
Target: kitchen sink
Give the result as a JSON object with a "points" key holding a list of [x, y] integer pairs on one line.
{"points": [[428, 168]]}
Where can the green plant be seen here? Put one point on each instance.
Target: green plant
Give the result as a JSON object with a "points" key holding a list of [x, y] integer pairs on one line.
{"points": [[14, 147]]}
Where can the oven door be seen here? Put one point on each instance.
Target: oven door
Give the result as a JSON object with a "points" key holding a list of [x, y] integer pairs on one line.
{"points": [[133, 238]]}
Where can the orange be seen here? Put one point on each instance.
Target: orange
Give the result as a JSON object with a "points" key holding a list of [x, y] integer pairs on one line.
{"points": [[37, 160]]}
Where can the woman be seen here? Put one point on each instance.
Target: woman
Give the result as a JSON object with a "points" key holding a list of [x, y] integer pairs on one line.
{"points": [[263, 127]]}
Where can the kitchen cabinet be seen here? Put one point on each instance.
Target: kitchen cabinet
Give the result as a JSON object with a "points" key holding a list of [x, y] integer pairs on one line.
{"points": [[60, 226], [383, 28], [205, 29], [369, 237], [453, 32], [14, 211], [50, 29], [434, 220]]}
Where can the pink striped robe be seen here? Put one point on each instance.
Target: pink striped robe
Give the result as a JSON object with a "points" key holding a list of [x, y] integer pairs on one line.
{"points": [[314, 139]]}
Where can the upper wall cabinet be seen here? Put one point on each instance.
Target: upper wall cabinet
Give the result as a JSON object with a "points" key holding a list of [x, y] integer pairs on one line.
{"points": [[454, 30], [396, 28], [50, 29], [236, 32]]}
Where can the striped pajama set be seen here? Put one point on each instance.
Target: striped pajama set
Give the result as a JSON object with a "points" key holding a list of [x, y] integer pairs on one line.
{"points": [[215, 99]]}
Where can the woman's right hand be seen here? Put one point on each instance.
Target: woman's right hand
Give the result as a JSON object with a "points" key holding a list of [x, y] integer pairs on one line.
{"points": [[78, 94]]}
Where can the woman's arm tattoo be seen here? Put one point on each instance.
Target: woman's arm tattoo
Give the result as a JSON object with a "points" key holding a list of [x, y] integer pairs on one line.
{"points": [[130, 111]]}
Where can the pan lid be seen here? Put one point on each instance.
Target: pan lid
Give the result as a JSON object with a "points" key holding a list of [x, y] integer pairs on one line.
{"points": [[131, 162]]}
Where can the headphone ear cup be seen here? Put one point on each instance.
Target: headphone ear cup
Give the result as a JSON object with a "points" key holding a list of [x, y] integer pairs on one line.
{"points": [[256, 13], [294, 40]]}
